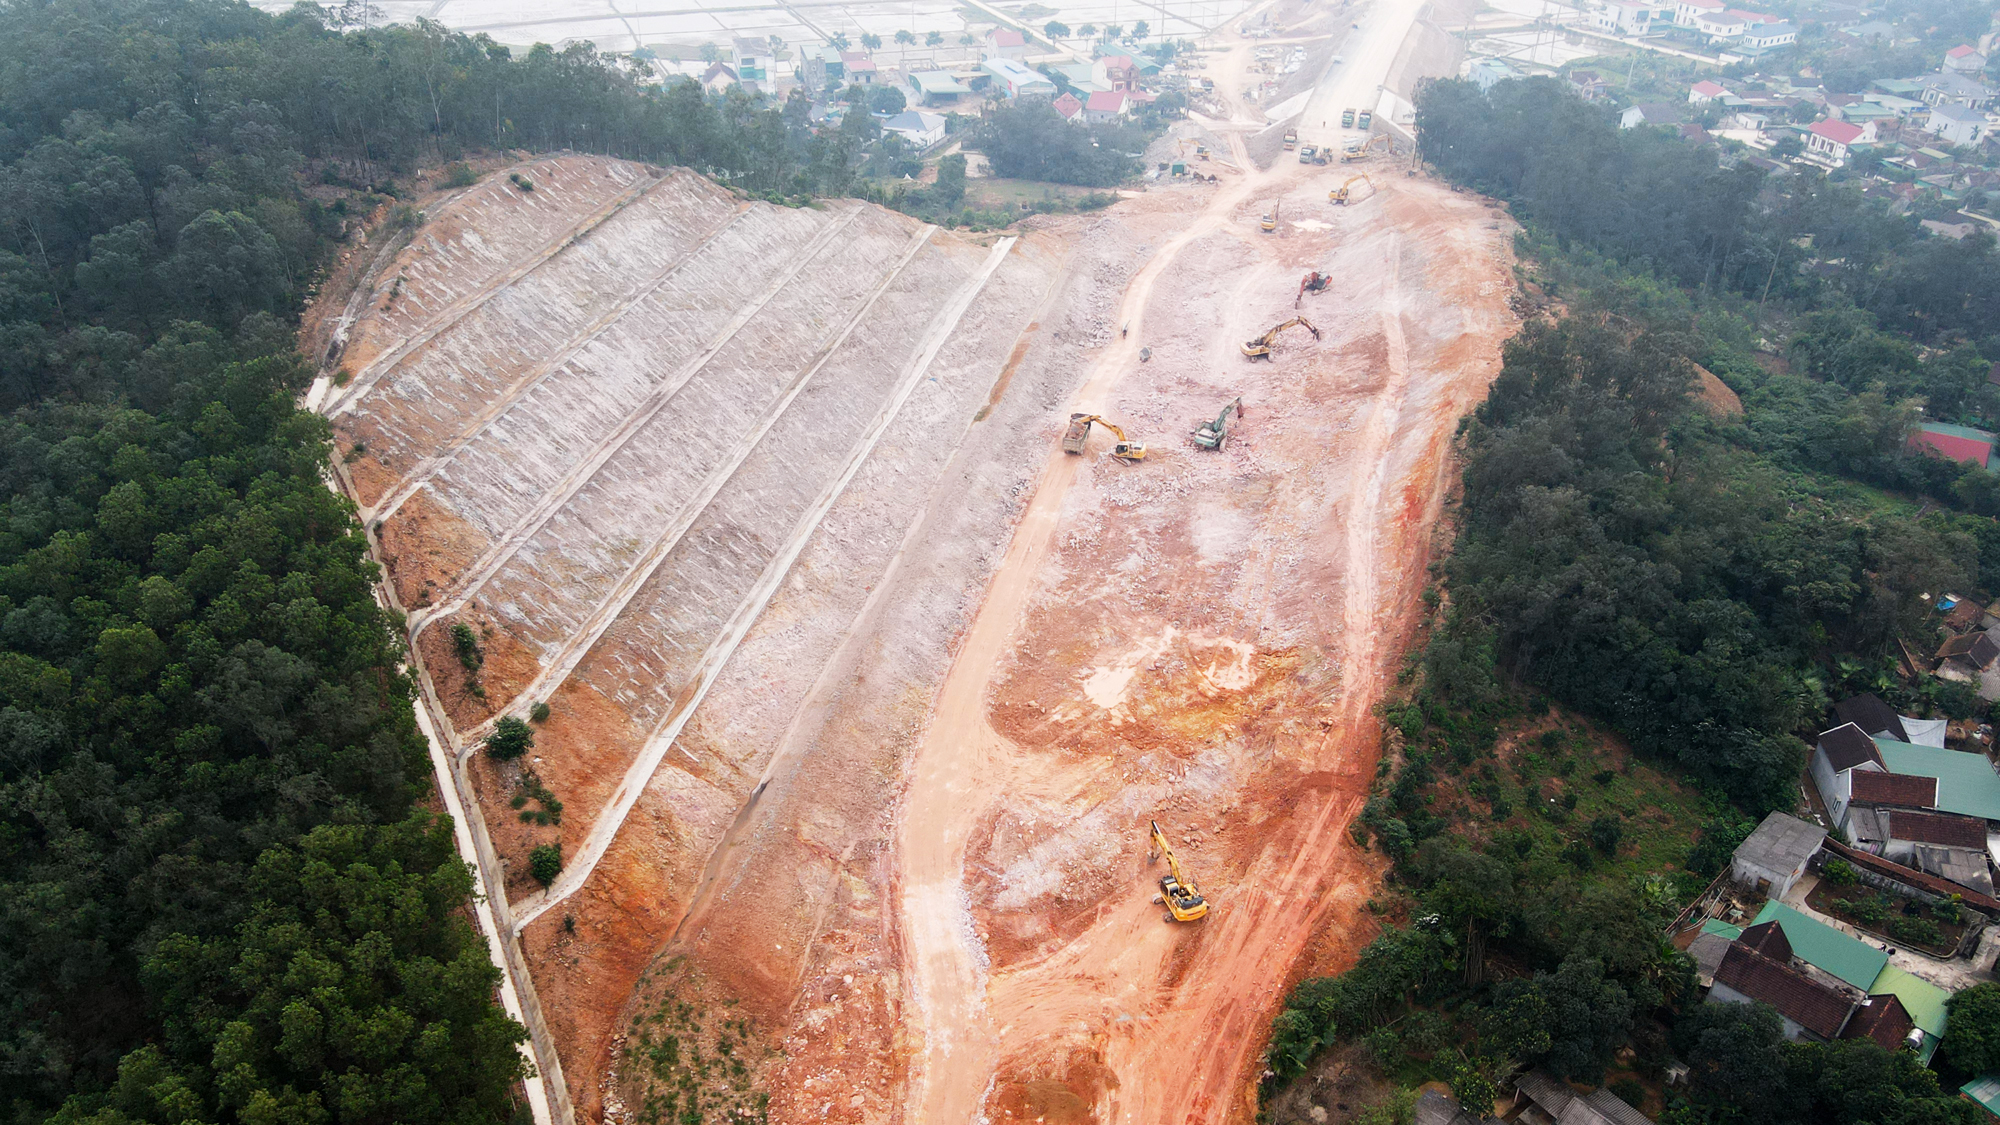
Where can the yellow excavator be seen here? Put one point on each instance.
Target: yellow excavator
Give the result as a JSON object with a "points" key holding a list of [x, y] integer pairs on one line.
{"points": [[1269, 222], [1183, 902], [1356, 152], [1078, 435], [1338, 196], [1260, 348]]}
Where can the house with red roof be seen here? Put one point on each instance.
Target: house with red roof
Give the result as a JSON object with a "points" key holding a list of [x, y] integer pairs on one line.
{"points": [[1827, 140], [1964, 59], [1070, 108], [1115, 72], [1704, 92], [1006, 43], [1954, 443], [1106, 105]]}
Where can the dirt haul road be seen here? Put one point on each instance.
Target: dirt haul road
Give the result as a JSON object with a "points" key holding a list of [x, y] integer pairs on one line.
{"points": [[1201, 638]]}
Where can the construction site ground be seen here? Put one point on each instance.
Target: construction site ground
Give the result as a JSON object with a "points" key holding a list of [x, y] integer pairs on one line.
{"points": [[860, 692]]}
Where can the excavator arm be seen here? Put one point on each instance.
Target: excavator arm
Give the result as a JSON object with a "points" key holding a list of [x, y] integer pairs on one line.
{"points": [[1078, 434], [1184, 903]]}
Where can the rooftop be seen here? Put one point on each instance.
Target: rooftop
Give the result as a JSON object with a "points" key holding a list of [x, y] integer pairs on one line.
{"points": [[1882, 1019], [1912, 790], [1839, 132], [1818, 1008], [1930, 828], [1923, 1000], [1825, 948], [1781, 843], [1848, 746], [1871, 714]]}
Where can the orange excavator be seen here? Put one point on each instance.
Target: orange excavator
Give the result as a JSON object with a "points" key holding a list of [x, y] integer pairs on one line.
{"points": [[1314, 282], [1177, 892], [1260, 348]]}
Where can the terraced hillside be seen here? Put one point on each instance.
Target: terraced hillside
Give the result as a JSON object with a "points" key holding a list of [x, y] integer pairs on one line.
{"points": [[653, 444]]}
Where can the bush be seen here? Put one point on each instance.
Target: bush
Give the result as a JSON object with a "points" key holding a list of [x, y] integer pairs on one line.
{"points": [[520, 181], [1605, 832], [1916, 931], [1629, 1091], [545, 863], [1869, 911], [1839, 873], [510, 739], [459, 175], [1577, 854], [539, 713], [466, 643]]}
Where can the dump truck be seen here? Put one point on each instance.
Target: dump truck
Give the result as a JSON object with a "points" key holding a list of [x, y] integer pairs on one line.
{"points": [[1307, 154], [1347, 119], [1362, 121], [1291, 139]]}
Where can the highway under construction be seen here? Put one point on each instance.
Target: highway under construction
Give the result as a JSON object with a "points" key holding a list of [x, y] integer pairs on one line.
{"points": [[859, 675]]}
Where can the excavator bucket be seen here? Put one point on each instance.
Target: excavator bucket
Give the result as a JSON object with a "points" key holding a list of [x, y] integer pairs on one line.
{"points": [[1183, 902]]}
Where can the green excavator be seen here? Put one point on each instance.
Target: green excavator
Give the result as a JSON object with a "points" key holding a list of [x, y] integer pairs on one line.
{"points": [[1211, 435]]}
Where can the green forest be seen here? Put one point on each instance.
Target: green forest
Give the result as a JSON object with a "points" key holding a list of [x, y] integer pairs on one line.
{"points": [[1699, 584], [225, 897]]}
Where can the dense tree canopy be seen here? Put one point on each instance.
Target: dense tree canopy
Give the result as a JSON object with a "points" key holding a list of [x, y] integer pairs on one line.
{"points": [[1646, 199]]}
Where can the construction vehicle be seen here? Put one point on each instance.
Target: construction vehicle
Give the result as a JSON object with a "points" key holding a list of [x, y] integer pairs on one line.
{"points": [[1211, 435], [1338, 196], [1183, 902], [1306, 154], [1355, 152], [1362, 121], [1314, 282], [1269, 222], [1260, 348], [1347, 119], [1078, 434], [1291, 139]]}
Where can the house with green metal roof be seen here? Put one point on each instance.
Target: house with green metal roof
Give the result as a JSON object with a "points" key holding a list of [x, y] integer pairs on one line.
{"points": [[1857, 963], [1923, 1000], [1825, 948], [1967, 784], [1985, 1090]]}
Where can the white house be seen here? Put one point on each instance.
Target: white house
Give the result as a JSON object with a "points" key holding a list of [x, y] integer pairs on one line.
{"points": [[1702, 93], [753, 59], [1827, 141], [1720, 24], [718, 77], [1006, 43], [1764, 36], [1652, 113], [1964, 60], [1773, 857], [1957, 125], [1070, 108], [1685, 11], [1107, 105], [1017, 81], [1842, 751], [1948, 88], [1485, 73], [860, 68], [1624, 17], [919, 129]]}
